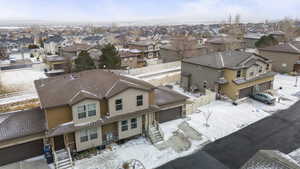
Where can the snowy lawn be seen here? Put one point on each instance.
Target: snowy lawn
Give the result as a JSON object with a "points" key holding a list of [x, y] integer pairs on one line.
{"points": [[139, 149], [225, 118], [21, 79]]}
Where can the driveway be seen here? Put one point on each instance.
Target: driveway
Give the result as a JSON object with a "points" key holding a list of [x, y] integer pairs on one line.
{"points": [[281, 131], [35, 163]]}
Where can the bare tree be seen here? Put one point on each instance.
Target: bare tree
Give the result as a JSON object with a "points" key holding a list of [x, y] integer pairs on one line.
{"points": [[287, 25], [207, 114], [184, 45]]}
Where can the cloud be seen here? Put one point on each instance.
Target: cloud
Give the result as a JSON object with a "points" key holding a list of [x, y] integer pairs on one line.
{"points": [[250, 10], [121, 10]]}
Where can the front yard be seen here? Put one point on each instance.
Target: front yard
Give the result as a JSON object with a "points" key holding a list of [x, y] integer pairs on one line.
{"points": [[184, 136]]}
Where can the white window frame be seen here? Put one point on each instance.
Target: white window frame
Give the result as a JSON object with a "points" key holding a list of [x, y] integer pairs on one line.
{"points": [[83, 112], [91, 107], [84, 134], [138, 100], [93, 133], [133, 125], [86, 110], [124, 127], [119, 104]]}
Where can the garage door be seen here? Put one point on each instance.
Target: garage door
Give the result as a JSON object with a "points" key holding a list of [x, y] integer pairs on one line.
{"points": [[21, 152], [265, 86], [169, 114], [245, 92]]}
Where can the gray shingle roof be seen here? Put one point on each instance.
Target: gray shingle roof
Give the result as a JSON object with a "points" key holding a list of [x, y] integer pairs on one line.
{"points": [[228, 59], [21, 123], [165, 96], [292, 47], [55, 38], [64, 89]]}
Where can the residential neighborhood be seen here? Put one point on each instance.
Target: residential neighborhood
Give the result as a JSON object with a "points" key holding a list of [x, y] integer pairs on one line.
{"points": [[209, 86]]}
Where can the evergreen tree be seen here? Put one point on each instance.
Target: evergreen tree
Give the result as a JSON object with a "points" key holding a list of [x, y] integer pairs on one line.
{"points": [[266, 41], [84, 62], [110, 58]]}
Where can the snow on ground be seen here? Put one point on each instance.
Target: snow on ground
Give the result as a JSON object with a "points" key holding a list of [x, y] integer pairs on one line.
{"points": [[225, 118], [169, 127], [21, 79], [18, 98], [139, 149]]}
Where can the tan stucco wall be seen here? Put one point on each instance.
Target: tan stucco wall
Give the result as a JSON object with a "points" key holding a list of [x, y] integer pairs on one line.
{"points": [[279, 59], [130, 132], [89, 144], [232, 90], [129, 101], [57, 116], [87, 119]]}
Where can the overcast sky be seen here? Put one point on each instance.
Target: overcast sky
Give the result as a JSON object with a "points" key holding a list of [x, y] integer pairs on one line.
{"points": [[130, 10]]}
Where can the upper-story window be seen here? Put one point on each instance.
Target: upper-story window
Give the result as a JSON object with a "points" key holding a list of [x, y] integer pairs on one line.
{"points": [[139, 100], [81, 112], [268, 67], [238, 74], [133, 122], [86, 110], [118, 104], [156, 47], [150, 48], [260, 69], [124, 125], [91, 109]]}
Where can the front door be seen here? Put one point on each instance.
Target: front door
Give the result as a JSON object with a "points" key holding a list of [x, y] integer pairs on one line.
{"points": [[109, 137], [59, 142]]}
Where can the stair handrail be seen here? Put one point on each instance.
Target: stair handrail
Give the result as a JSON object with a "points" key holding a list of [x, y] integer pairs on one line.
{"points": [[55, 158], [160, 130], [70, 157]]}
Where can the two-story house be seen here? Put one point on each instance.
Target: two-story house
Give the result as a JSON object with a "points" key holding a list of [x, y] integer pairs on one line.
{"points": [[149, 48], [85, 110], [285, 56], [95, 108], [232, 73]]}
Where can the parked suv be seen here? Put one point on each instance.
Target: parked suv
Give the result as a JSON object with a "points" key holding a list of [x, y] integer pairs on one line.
{"points": [[264, 97]]}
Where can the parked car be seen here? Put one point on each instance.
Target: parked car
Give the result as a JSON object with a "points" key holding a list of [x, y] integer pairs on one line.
{"points": [[264, 97]]}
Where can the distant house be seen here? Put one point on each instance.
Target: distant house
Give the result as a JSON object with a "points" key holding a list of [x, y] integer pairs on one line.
{"points": [[251, 38], [56, 64], [168, 53], [221, 44], [52, 44], [232, 73], [92, 40], [285, 57], [24, 42], [279, 36], [149, 48], [131, 58]]}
